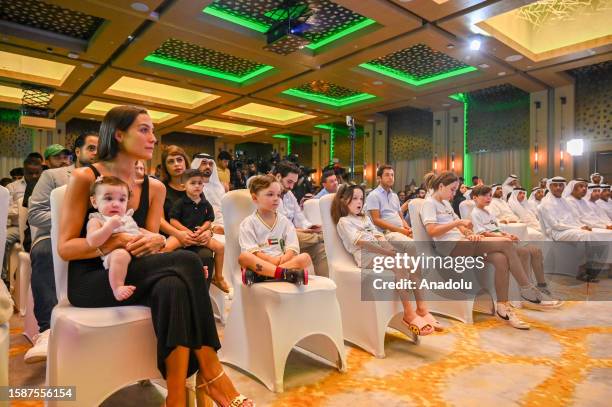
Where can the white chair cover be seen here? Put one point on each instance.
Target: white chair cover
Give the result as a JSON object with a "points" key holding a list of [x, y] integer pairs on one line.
{"points": [[98, 350], [364, 322], [267, 320], [6, 304], [311, 211]]}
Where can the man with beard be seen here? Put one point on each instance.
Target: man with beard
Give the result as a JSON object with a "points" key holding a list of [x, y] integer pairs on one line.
{"points": [[309, 235], [39, 217], [574, 193]]}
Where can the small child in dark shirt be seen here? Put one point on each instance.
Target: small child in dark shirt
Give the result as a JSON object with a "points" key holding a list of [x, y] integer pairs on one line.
{"points": [[195, 214]]}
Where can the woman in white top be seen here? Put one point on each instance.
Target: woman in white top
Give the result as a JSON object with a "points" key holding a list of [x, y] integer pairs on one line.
{"points": [[447, 230], [361, 238]]}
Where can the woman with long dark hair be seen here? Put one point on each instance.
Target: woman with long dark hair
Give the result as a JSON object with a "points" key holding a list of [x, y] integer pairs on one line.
{"points": [[172, 284]]}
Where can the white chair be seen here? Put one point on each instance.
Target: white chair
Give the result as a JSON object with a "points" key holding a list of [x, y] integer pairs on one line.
{"points": [[458, 309], [219, 299], [311, 211], [364, 322], [267, 320], [24, 271], [4, 328], [98, 350], [466, 207]]}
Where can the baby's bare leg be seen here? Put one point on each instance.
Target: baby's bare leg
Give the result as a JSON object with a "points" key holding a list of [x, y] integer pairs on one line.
{"points": [[119, 260]]}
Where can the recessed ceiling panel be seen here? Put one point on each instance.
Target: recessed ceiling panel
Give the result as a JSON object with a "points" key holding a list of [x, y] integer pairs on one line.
{"points": [[268, 114], [22, 67], [418, 65], [99, 108], [327, 21], [328, 93], [50, 17], [142, 90], [190, 57], [552, 28], [217, 126]]}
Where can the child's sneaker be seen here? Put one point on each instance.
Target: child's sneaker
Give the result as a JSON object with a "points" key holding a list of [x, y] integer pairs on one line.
{"points": [[507, 314], [535, 299], [547, 295], [250, 277], [298, 277]]}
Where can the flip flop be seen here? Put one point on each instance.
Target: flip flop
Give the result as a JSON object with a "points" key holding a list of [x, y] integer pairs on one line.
{"points": [[433, 322], [419, 326]]}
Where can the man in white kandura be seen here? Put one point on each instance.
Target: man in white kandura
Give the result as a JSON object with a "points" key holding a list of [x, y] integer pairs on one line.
{"points": [[604, 201], [518, 204], [509, 184], [592, 196], [574, 194]]}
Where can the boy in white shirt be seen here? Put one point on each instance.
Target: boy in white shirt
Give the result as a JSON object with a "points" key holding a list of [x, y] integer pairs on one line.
{"points": [[486, 224], [268, 240]]}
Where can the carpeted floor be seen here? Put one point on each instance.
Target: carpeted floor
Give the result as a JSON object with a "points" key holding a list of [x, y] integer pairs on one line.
{"points": [[564, 360]]}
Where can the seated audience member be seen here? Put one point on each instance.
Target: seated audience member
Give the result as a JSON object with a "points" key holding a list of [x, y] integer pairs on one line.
{"points": [[509, 184], [383, 207], [402, 197], [486, 225], [604, 201], [109, 197], [309, 235], [268, 240], [223, 160], [537, 193], [57, 156], [329, 184], [140, 170], [174, 163], [459, 197], [596, 178], [32, 169], [476, 180], [518, 204], [213, 187], [450, 235], [194, 214], [361, 239], [172, 284], [16, 173], [560, 221], [5, 181], [592, 196], [500, 208], [39, 217], [574, 194]]}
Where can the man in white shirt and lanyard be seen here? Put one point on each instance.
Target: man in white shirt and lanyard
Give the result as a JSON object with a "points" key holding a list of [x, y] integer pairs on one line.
{"points": [[383, 207], [309, 235]]}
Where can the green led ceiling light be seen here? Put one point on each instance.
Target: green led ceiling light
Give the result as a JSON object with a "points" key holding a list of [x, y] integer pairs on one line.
{"points": [[190, 57], [337, 22], [328, 93], [418, 65]]}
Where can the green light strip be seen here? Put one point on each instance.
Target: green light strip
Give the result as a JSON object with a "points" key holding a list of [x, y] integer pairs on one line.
{"points": [[362, 24], [245, 22], [332, 142], [206, 71], [467, 159], [328, 100], [263, 28], [401, 76], [288, 145]]}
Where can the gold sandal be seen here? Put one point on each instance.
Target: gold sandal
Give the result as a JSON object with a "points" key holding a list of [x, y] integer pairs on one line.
{"points": [[238, 401]]}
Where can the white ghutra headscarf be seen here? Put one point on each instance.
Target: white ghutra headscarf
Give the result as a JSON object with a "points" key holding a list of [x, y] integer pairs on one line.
{"points": [[506, 187], [213, 189], [521, 209], [554, 180]]}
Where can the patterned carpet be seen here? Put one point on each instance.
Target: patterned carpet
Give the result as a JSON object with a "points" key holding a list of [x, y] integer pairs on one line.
{"points": [[564, 360]]}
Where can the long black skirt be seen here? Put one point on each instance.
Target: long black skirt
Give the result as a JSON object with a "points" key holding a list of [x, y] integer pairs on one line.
{"points": [[172, 284]]}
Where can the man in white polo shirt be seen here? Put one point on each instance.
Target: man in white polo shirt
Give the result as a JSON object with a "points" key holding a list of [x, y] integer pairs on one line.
{"points": [[383, 206]]}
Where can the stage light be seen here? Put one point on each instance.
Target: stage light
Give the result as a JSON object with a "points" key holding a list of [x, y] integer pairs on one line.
{"points": [[575, 147]]}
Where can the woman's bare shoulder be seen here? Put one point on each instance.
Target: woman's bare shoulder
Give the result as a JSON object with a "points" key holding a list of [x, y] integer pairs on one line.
{"points": [[83, 174], [157, 187]]}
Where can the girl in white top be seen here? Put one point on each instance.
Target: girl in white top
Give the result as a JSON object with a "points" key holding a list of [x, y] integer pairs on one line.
{"points": [[109, 196], [458, 239], [485, 224], [268, 240], [361, 238]]}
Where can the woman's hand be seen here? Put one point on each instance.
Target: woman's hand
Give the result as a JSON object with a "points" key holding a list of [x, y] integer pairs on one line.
{"points": [[116, 241], [145, 245]]}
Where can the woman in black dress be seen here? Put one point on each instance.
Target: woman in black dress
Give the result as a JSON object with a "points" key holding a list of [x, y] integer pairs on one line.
{"points": [[172, 284]]}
